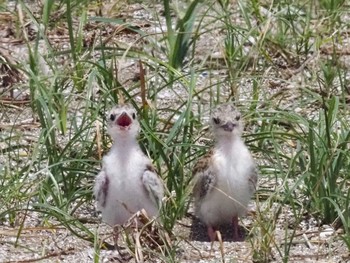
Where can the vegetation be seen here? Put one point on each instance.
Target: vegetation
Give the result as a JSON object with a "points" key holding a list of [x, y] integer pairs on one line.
{"points": [[283, 63]]}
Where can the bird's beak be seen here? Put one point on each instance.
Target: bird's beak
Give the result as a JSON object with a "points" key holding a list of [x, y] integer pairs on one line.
{"points": [[229, 126], [124, 120]]}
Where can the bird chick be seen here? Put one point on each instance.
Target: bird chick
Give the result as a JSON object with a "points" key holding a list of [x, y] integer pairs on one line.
{"points": [[226, 177], [127, 181]]}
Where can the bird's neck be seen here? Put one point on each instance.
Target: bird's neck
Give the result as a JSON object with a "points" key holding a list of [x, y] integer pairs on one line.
{"points": [[226, 143], [125, 144]]}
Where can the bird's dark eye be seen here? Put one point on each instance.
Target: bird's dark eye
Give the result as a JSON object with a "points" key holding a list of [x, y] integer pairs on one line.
{"points": [[112, 117], [238, 117], [216, 120], [134, 115]]}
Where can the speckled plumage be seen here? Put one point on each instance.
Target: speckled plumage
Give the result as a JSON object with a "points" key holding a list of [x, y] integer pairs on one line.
{"points": [[226, 177], [127, 181]]}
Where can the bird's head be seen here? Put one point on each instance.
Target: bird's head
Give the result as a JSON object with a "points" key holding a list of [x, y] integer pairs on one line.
{"points": [[122, 121], [226, 121]]}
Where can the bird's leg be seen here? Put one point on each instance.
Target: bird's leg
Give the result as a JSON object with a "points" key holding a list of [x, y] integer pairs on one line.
{"points": [[236, 232], [212, 233], [115, 236], [124, 255]]}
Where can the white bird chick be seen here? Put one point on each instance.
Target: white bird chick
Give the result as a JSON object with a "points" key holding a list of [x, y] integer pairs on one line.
{"points": [[226, 177], [127, 182]]}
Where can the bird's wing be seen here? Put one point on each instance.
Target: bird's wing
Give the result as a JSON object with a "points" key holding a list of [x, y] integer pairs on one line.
{"points": [[153, 185], [253, 179], [101, 189], [204, 176]]}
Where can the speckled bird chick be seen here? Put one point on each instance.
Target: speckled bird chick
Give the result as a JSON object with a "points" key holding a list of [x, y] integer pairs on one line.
{"points": [[226, 177], [127, 182]]}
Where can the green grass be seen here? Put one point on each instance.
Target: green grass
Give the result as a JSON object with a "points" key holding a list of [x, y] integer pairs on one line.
{"points": [[279, 61]]}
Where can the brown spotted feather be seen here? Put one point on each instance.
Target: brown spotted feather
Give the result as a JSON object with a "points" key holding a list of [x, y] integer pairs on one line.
{"points": [[205, 179]]}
